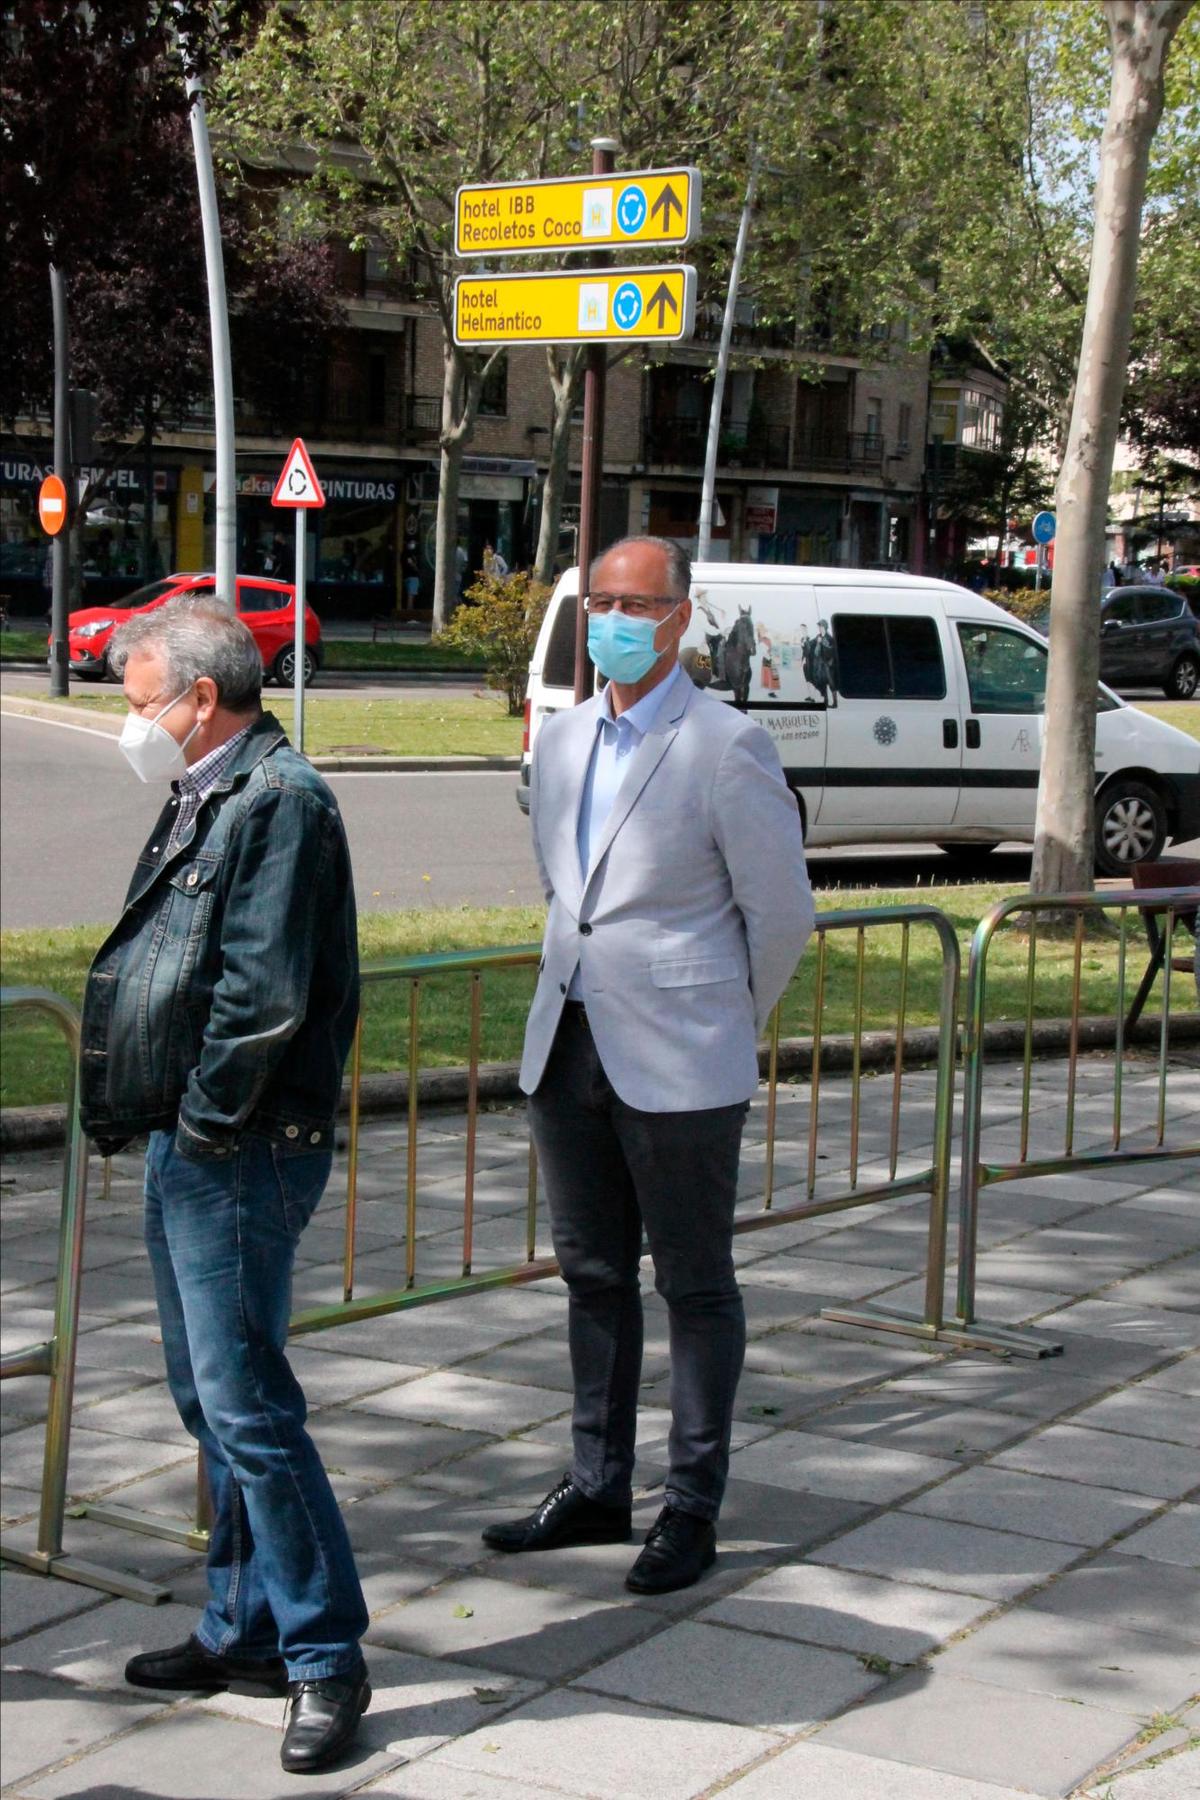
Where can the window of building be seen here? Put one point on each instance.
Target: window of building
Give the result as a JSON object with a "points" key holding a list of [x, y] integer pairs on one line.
{"points": [[904, 426], [875, 416], [493, 396], [888, 658], [982, 418], [377, 388]]}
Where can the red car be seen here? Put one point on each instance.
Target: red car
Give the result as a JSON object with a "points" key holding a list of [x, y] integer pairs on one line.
{"points": [[267, 607]]}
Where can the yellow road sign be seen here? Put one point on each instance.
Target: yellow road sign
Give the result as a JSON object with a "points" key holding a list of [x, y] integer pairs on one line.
{"points": [[597, 212], [581, 307]]}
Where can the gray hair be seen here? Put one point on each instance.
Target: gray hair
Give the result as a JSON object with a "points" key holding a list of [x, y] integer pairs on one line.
{"points": [[679, 563], [196, 635]]}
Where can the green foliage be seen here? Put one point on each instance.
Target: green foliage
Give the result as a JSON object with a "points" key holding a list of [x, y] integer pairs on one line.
{"points": [[1027, 604], [500, 622]]}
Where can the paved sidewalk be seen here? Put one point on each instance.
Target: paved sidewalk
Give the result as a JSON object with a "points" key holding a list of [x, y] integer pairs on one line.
{"points": [[942, 1576]]}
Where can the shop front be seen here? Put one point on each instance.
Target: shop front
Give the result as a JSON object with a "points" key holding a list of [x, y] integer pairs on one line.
{"points": [[121, 546]]}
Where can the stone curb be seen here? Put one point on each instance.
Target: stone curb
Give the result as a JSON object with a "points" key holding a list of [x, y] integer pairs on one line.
{"points": [[43, 1127], [330, 765]]}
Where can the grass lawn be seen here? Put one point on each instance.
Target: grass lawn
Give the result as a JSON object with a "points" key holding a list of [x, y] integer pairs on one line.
{"points": [[478, 726], [1183, 714], [33, 1066], [22, 646]]}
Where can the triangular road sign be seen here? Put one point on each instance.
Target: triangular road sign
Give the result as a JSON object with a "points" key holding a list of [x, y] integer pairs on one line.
{"points": [[298, 484]]}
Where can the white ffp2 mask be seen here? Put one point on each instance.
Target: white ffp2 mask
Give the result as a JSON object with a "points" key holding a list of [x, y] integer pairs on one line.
{"points": [[152, 753]]}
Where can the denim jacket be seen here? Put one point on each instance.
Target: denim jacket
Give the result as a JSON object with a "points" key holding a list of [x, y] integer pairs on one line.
{"points": [[225, 998]]}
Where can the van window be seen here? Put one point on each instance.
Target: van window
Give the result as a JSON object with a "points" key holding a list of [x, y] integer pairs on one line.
{"points": [[888, 658], [559, 669], [1006, 671]]}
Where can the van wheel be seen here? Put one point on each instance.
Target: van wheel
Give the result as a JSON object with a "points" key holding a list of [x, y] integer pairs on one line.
{"points": [[1131, 827], [1182, 682]]}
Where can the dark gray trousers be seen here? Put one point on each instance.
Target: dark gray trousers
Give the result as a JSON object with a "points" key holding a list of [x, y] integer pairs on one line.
{"points": [[609, 1172]]}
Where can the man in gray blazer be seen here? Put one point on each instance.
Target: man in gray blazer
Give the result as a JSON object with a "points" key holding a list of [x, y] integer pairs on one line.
{"points": [[672, 858]]}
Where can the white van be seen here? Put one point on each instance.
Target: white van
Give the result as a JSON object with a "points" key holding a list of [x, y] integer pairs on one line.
{"points": [[903, 709]]}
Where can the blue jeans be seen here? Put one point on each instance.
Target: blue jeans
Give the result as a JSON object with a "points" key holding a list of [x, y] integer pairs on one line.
{"points": [[222, 1237]]}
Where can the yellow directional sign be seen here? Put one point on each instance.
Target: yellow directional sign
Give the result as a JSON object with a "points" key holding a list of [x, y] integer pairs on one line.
{"points": [[596, 212], [581, 307]]}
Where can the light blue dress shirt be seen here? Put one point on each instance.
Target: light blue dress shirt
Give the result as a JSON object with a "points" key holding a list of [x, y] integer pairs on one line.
{"points": [[616, 740]]}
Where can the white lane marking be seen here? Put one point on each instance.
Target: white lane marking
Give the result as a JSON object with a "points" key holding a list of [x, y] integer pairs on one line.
{"points": [[59, 724]]}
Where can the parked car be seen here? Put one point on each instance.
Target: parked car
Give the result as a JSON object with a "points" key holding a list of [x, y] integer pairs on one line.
{"points": [[267, 607], [1150, 636], [903, 709]]}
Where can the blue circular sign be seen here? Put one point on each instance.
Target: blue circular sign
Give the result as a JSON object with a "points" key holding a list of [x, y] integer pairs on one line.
{"points": [[627, 305], [1044, 527], [631, 210]]}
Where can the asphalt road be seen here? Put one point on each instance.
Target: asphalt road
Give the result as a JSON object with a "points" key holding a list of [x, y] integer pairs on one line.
{"points": [[73, 819]]}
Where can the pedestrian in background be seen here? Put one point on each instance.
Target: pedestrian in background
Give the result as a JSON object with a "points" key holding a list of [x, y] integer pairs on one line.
{"points": [[217, 1018], [671, 855]]}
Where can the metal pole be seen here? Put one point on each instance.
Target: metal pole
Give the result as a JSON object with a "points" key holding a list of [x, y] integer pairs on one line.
{"points": [[60, 662], [708, 485], [298, 672], [222, 363], [603, 158]]}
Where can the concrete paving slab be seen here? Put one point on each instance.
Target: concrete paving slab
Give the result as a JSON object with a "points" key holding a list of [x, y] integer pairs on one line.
{"points": [[145, 1412], [30, 1602], [189, 1754], [46, 1721], [718, 1673], [808, 1463], [505, 1625], [386, 1449], [1035, 1505], [96, 1462], [971, 1728], [1036, 1652], [847, 1610], [332, 1380], [941, 1554], [1148, 1324], [835, 1280], [467, 1402], [92, 1651], [417, 1703], [1128, 1593], [1105, 1459], [1177, 1778], [1175, 1284], [914, 1422], [604, 1749], [1174, 1538], [1181, 1377], [1175, 1418], [818, 1769], [1022, 1388]]}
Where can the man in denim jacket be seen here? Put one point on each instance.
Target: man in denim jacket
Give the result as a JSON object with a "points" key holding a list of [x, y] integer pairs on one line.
{"points": [[217, 1018]]}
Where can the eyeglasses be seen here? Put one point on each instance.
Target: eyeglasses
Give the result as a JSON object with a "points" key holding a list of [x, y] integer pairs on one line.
{"points": [[634, 606]]}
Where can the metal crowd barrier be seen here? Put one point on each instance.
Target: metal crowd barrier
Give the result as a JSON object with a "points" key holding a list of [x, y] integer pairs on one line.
{"points": [[977, 1171], [931, 1177], [56, 1358]]}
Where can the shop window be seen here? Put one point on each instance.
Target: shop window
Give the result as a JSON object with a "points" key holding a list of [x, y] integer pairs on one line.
{"points": [[493, 395]]}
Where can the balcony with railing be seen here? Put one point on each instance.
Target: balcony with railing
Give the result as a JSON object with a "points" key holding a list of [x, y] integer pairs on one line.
{"points": [[680, 443]]}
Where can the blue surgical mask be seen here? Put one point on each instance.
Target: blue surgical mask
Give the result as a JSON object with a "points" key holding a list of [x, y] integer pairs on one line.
{"points": [[623, 648]]}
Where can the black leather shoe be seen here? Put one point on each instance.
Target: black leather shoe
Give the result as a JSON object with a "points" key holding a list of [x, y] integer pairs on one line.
{"points": [[679, 1547], [566, 1516], [190, 1668], [322, 1719]]}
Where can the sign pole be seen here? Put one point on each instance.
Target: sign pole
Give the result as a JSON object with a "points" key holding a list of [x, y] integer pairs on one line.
{"points": [[298, 676], [603, 160], [60, 682]]}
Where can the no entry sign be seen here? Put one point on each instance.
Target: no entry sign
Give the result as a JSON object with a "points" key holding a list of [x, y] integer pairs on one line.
{"points": [[52, 505]]}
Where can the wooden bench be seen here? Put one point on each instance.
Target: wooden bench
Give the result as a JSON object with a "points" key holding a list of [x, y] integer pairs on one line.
{"points": [[1179, 872]]}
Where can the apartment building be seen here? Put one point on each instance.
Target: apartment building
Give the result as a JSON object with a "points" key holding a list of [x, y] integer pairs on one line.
{"points": [[823, 458]]}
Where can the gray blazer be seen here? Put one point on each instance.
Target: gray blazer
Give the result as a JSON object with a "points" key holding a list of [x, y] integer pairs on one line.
{"points": [[693, 915]]}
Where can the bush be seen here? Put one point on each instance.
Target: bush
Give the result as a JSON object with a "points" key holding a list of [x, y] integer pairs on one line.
{"points": [[499, 618], [1024, 604]]}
